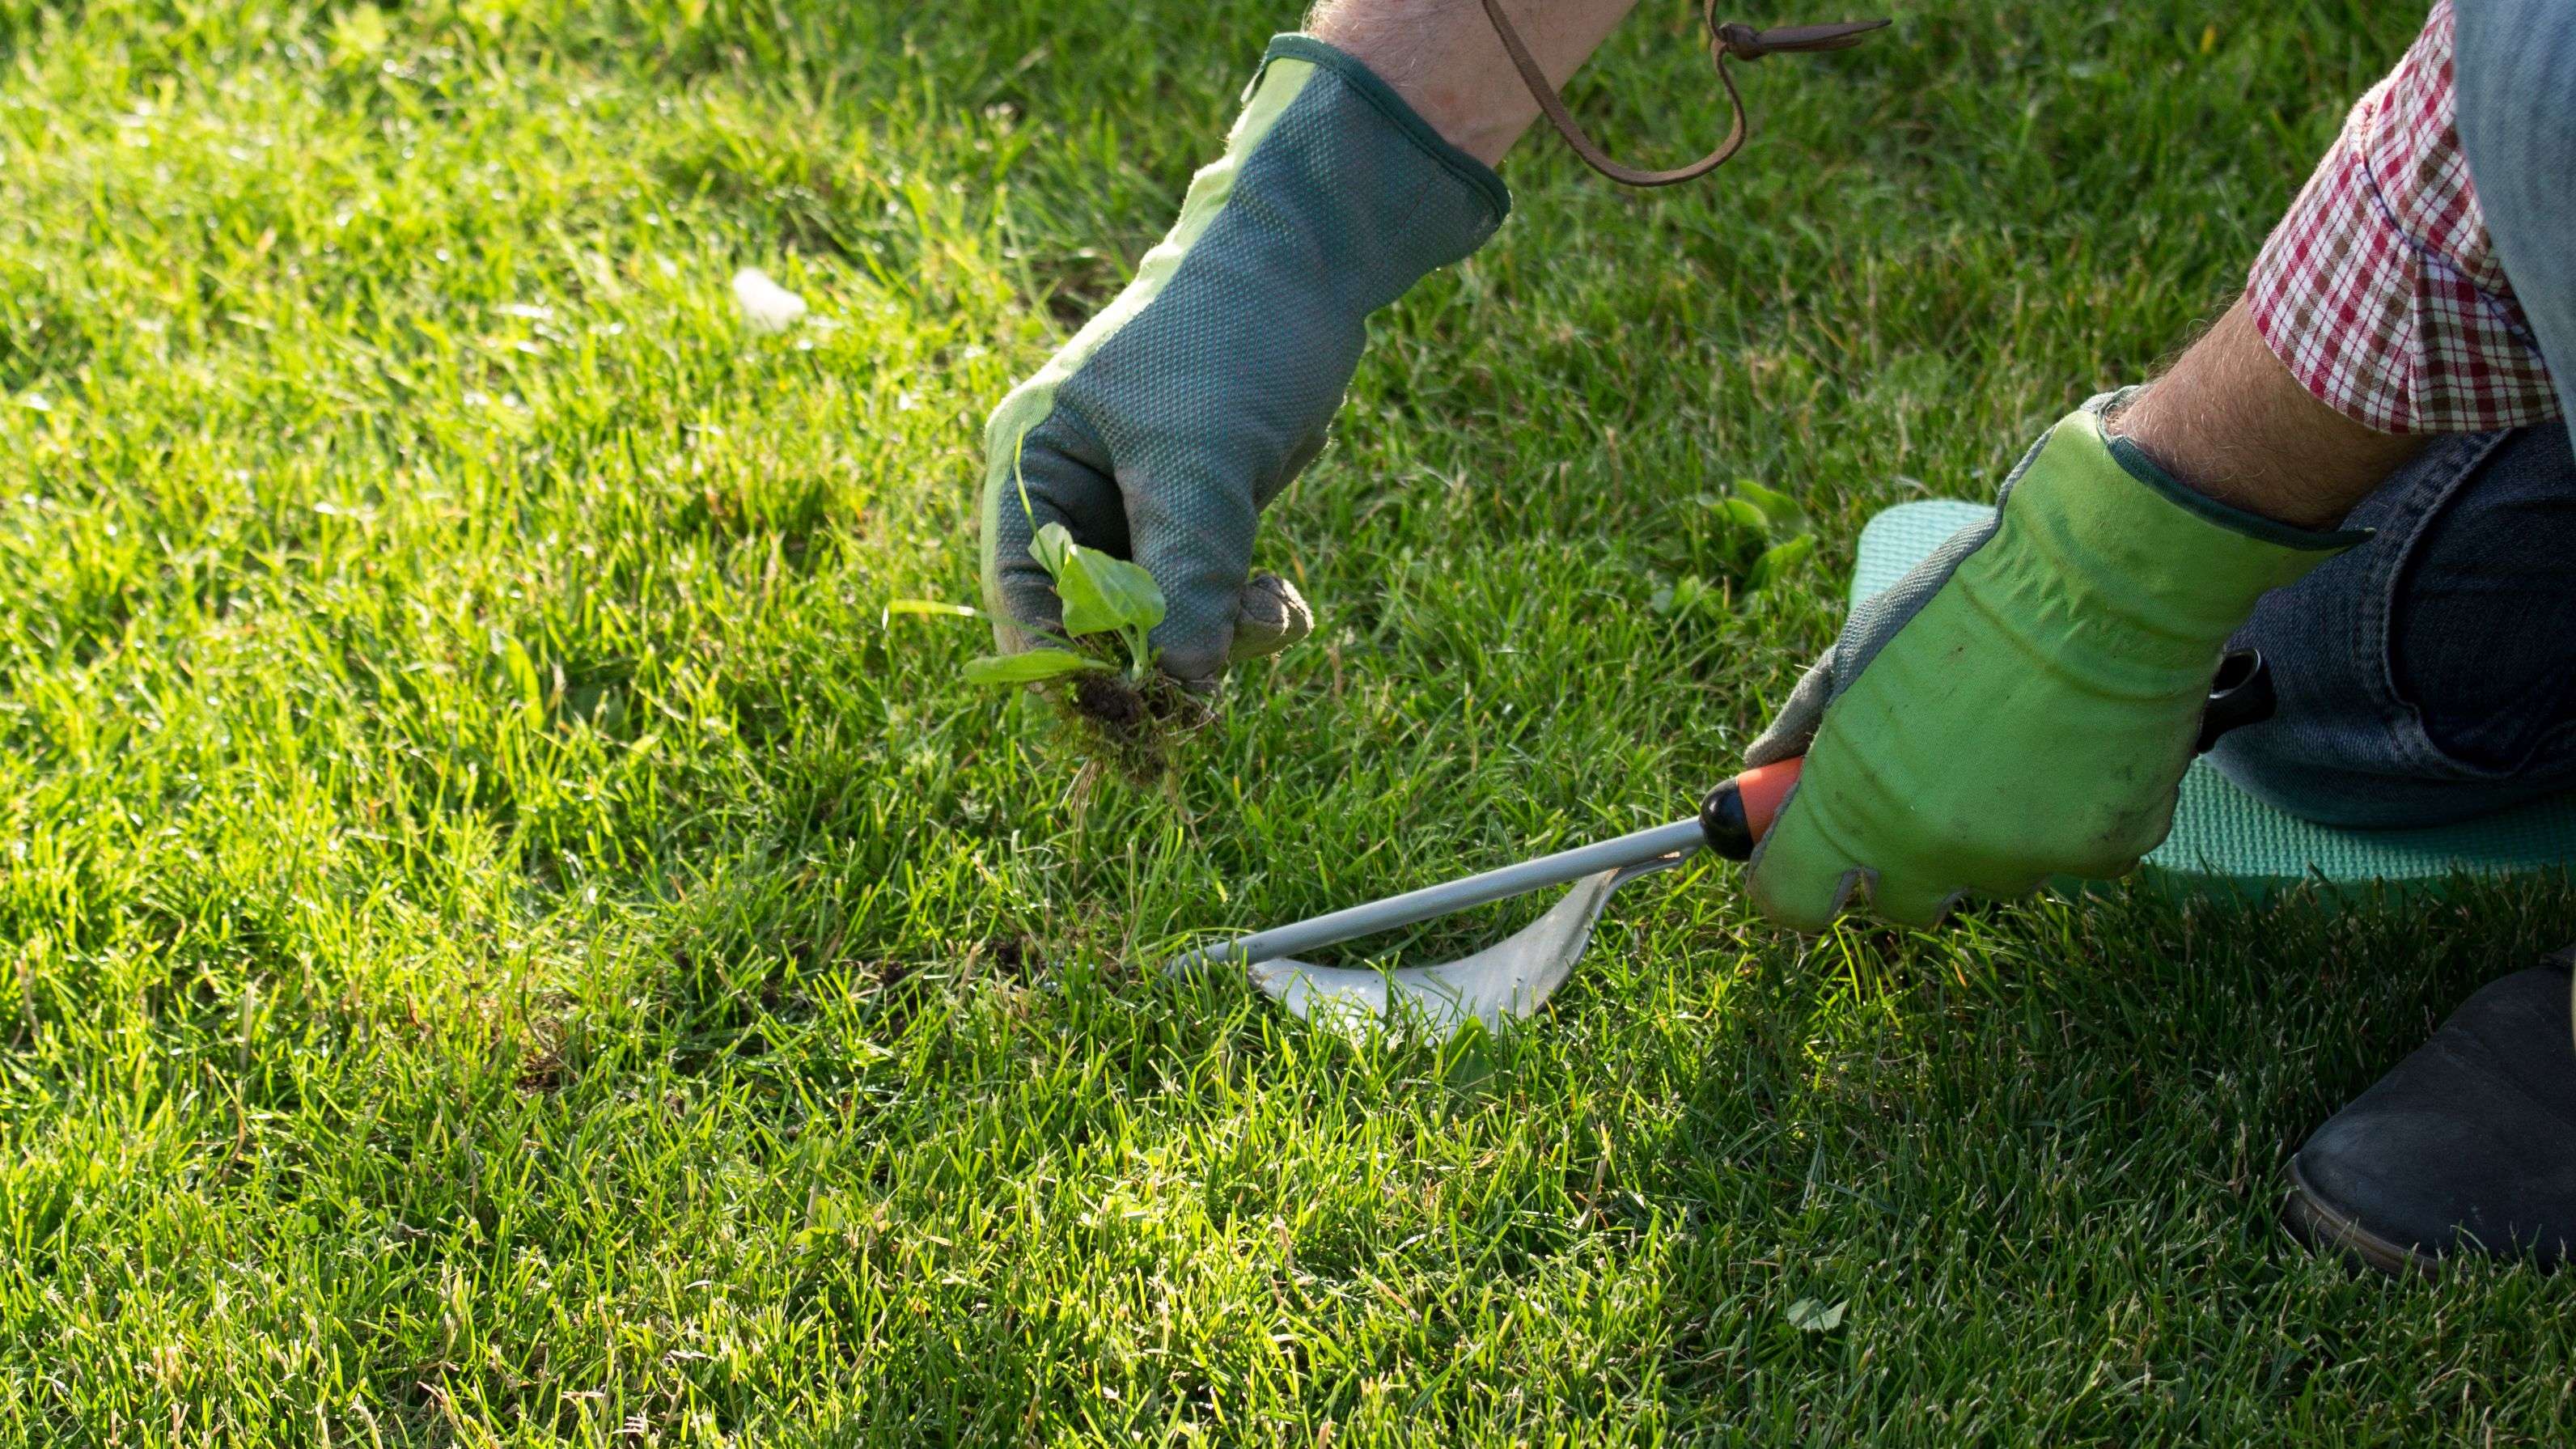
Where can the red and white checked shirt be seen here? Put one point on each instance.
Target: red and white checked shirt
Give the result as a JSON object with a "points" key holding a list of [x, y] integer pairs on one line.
{"points": [[2379, 289]]}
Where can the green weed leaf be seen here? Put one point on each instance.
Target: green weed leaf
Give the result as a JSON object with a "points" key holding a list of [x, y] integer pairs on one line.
{"points": [[1815, 1317], [1779, 561], [1053, 548], [1745, 515], [1781, 515], [1029, 668], [1101, 594], [1681, 596]]}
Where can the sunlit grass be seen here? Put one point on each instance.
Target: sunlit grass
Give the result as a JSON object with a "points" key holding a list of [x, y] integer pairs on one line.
{"points": [[510, 944]]}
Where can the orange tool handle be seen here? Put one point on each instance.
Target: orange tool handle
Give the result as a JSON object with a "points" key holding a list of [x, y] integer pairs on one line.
{"points": [[1737, 814]]}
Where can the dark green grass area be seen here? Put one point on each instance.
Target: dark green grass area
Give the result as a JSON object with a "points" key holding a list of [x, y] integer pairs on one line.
{"points": [[508, 947]]}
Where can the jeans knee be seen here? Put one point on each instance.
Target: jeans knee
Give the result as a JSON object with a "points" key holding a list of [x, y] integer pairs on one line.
{"points": [[2301, 780]]}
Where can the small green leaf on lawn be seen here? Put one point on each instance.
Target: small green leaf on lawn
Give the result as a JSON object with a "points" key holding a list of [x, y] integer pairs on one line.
{"points": [[1779, 511], [1745, 515], [1028, 668], [1815, 1317], [1779, 561], [1681, 596]]}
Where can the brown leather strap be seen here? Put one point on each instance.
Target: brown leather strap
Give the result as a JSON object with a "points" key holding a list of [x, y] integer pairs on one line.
{"points": [[1730, 39]]}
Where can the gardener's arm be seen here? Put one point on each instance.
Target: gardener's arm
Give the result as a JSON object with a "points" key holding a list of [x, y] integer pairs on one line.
{"points": [[1443, 58], [1362, 161], [2231, 422], [2025, 702]]}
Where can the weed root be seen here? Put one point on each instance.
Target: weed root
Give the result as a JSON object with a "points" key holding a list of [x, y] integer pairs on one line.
{"points": [[1131, 727]]}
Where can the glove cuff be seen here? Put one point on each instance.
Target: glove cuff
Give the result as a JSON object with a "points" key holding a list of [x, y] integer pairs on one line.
{"points": [[1366, 86], [1336, 155], [2132, 458], [2128, 538]]}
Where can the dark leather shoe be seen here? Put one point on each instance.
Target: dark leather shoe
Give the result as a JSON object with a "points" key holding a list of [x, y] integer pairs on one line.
{"points": [[2469, 1146]]}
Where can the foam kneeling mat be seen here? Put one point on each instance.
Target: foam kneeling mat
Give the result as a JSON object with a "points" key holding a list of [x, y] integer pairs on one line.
{"points": [[2225, 838]]}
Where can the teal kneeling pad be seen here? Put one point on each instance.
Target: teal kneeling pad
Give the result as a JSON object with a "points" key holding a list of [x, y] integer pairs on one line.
{"points": [[2225, 839]]}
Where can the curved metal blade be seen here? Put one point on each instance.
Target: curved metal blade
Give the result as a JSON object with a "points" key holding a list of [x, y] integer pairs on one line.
{"points": [[1512, 978]]}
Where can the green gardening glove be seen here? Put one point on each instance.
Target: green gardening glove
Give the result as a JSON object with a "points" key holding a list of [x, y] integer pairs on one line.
{"points": [[2024, 702], [1175, 416]]}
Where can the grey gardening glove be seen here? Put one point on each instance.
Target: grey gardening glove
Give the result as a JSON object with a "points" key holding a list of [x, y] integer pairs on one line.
{"points": [[1170, 420]]}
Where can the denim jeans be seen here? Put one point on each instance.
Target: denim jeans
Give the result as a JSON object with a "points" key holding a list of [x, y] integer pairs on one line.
{"points": [[2430, 674]]}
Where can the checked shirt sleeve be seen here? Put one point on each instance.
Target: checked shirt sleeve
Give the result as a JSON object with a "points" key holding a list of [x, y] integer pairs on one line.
{"points": [[2379, 289]]}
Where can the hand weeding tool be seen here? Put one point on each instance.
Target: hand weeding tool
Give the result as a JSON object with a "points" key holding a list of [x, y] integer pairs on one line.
{"points": [[1516, 975]]}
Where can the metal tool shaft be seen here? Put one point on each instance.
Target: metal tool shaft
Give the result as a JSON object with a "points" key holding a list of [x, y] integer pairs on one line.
{"points": [[1677, 839]]}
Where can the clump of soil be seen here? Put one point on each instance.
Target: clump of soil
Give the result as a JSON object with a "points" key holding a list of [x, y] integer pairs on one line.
{"points": [[1133, 727]]}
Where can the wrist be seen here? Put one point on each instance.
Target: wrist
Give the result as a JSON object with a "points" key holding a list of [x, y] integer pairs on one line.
{"points": [[2231, 509], [2231, 423], [1445, 59], [2149, 436]]}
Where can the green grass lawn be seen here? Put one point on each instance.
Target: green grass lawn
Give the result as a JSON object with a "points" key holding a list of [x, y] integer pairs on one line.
{"points": [[506, 945]]}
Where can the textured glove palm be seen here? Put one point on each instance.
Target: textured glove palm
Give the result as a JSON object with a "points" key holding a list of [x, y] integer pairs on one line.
{"points": [[1177, 414], [2023, 703]]}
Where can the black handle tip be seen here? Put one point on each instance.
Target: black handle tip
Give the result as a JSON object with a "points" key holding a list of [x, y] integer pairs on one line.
{"points": [[1721, 819]]}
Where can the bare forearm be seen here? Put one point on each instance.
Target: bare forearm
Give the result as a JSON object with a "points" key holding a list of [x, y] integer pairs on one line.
{"points": [[1443, 58], [2231, 421]]}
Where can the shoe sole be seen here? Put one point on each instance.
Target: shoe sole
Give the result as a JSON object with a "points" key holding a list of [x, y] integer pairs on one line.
{"points": [[2324, 1226]]}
